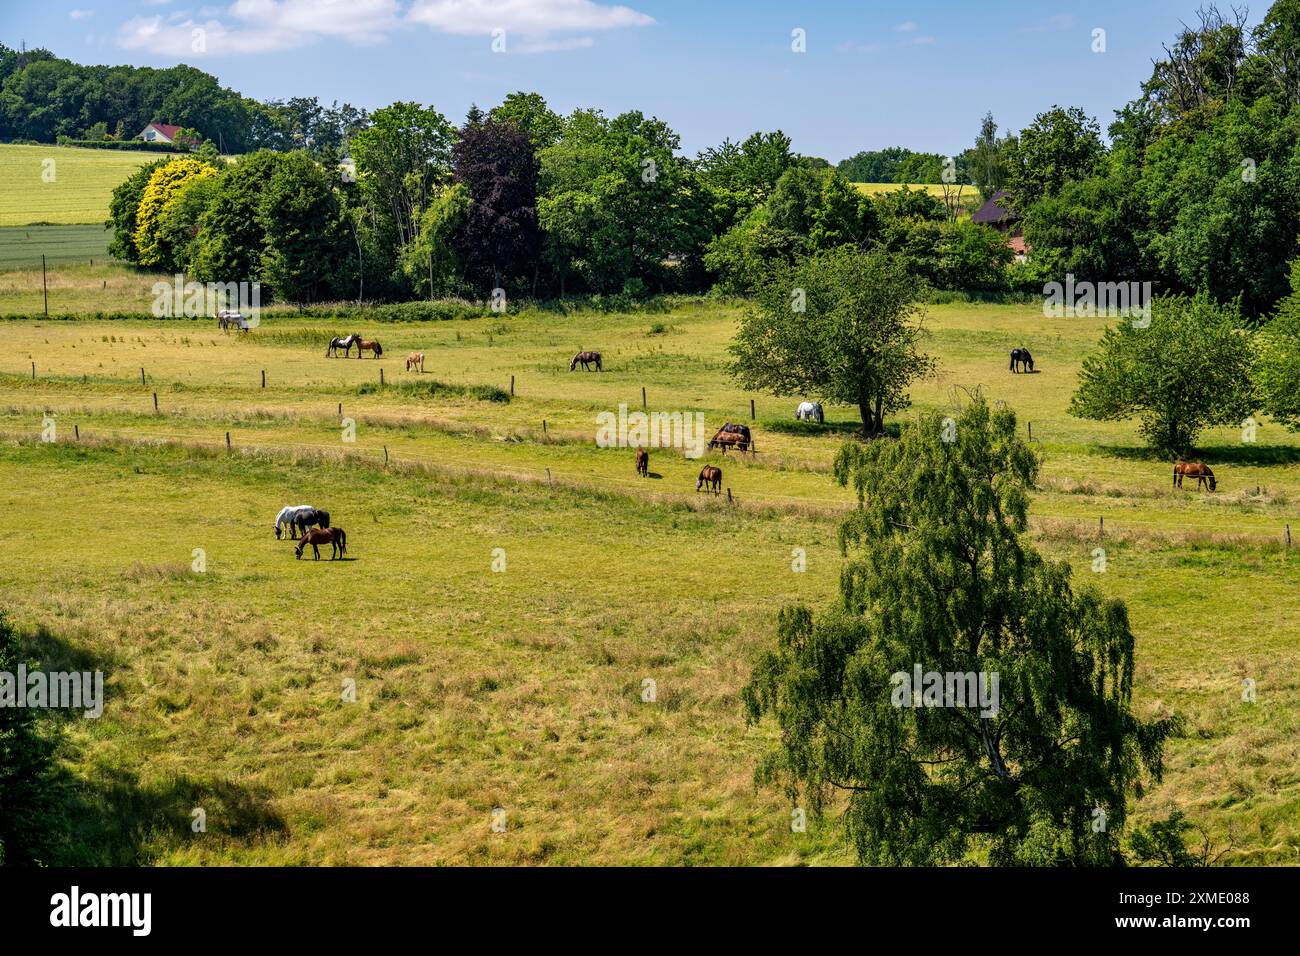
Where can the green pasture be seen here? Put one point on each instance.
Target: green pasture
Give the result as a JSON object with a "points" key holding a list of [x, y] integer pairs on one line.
{"points": [[61, 185], [522, 689]]}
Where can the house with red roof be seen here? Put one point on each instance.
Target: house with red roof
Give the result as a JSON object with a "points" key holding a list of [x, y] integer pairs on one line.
{"points": [[159, 133]]}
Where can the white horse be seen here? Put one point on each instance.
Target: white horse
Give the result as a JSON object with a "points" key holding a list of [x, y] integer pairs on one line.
{"points": [[809, 412], [228, 319], [285, 518]]}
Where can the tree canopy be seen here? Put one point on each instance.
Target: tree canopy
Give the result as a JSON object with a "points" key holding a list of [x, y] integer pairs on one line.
{"points": [[939, 577]]}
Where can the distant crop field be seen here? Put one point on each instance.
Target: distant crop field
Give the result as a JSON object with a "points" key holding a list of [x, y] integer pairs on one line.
{"points": [[21, 247], [970, 196], [61, 184]]}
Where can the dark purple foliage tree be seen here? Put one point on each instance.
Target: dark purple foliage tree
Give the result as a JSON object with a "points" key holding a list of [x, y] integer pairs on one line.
{"points": [[499, 240]]}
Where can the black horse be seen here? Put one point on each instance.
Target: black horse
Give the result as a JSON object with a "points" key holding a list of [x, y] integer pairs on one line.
{"points": [[309, 519], [738, 430], [1022, 358]]}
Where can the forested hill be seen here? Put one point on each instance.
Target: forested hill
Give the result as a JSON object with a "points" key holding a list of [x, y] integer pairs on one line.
{"points": [[43, 97]]}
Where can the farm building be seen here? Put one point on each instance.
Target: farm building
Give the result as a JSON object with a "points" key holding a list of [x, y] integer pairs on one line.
{"points": [[997, 214], [159, 133]]}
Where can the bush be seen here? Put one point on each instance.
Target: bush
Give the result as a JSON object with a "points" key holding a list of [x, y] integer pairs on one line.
{"points": [[29, 820]]}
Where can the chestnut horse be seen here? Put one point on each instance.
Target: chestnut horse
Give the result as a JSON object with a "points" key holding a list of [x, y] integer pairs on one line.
{"points": [[318, 536], [642, 462], [415, 361], [712, 476], [584, 359], [726, 438], [1193, 469], [365, 346]]}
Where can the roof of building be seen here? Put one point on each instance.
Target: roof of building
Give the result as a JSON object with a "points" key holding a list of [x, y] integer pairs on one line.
{"points": [[165, 128], [997, 209]]}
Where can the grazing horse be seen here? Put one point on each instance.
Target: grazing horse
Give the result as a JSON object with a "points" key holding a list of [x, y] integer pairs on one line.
{"points": [[732, 436], [725, 440], [809, 412], [415, 361], [1194, 469], [345, 343], [642, 462], [710, 475], [364, 345], [1022, 358], [228, 319], [584, 359], [285, 520], [318, 536], [305, 520]]}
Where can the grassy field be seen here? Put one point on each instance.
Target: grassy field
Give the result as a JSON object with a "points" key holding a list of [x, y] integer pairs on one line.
{"points": [[62, 185], [21, 248], [522, 688]]}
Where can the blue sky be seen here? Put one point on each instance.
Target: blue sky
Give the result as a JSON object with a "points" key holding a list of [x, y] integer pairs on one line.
{"points": [[875, 74]]}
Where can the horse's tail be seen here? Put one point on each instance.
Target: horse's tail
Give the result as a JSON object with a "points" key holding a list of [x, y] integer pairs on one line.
{"points": [[343, 541]]}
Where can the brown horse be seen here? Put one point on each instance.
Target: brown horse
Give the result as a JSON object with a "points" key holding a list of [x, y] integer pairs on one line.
{"points": [[726, 439], [584, 359], [318, 536], [642, 462], [712, 476], [1194, 469], [415, 361], [365, 346]]}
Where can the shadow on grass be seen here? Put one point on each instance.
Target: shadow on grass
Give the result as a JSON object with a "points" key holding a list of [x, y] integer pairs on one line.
{"points": [[112, 819], [1237, 454], [848, 429], [54, 815]]}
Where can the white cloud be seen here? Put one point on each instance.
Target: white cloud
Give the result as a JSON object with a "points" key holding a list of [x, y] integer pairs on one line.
{"points": [[906, 26], [261, 26], [265, 26], [534, 18], [80, 14]]}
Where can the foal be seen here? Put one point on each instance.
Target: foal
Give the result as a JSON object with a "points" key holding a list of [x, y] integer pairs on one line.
{"points": [[318, 536], [642, 462], [415, 361]]}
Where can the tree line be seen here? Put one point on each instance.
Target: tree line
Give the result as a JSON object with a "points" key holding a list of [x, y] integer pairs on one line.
{"points": [[44, 98]]}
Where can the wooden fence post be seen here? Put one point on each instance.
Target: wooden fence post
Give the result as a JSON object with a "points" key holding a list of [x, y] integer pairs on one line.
{"points": [[548, 477], [76, 434], [751, 409], [264, 378], [155, 402], [33, 371], [512, 386], [227, 441], [381, 376], [543, 427], [141, 376], [385, 456], [643, 398], [1288, 536]]}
